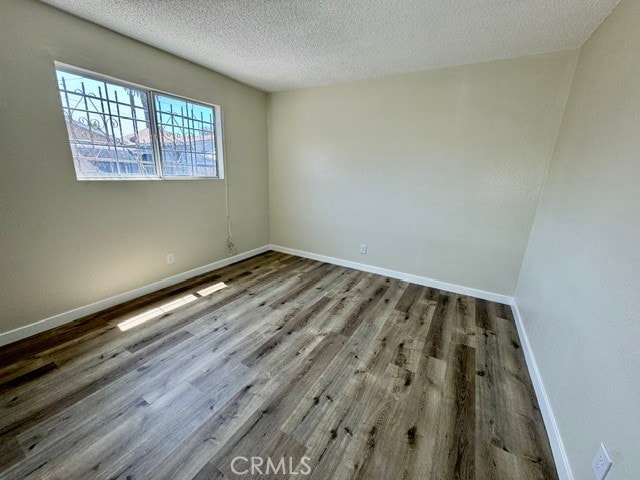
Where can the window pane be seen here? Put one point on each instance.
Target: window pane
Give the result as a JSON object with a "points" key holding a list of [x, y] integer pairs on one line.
{"points": [[187, 137], [108, 127]]}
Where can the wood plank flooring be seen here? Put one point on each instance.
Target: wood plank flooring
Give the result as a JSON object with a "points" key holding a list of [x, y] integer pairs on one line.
{"points": [[310, 368]]}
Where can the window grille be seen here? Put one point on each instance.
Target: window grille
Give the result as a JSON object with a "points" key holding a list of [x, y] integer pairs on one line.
{"points": [[121, 131]]}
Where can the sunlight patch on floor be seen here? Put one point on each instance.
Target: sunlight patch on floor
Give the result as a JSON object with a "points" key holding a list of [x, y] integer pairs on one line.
{"points": [[155, 312], [212, 289]]}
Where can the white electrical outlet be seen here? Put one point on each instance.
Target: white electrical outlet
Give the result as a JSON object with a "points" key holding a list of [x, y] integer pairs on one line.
{"points": [[601, 463], [363, 249], [170, 258]]}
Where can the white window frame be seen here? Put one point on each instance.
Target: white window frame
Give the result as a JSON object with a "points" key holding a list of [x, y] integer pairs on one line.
{"points": [[153, 126]]}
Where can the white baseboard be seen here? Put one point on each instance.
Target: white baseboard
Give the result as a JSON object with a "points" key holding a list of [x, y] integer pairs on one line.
{"points": [[66, 317], [557, 447], [407, 277]]}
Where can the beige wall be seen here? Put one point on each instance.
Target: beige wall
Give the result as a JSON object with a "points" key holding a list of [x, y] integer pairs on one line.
{"points": [[579, 289], [66, 244], [438, 172]]}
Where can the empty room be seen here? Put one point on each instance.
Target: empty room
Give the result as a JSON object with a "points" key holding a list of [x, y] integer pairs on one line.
{"points": [[331, 239]]}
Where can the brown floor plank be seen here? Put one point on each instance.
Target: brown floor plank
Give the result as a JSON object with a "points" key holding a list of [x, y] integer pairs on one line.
{"points": [[367, 376]]}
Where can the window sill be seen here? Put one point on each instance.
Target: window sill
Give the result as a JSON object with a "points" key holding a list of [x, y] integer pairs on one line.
{"points": [[142, 179]]}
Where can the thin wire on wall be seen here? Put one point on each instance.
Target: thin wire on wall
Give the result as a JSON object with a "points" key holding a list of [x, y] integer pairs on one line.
{"points": [[231, 247]]}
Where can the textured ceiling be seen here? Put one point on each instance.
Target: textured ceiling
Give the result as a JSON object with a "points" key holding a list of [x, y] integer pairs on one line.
{"points": [[285, 44]]}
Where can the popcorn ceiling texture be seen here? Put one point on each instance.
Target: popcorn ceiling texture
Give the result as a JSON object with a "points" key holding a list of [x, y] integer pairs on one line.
{"points": [[277, 45]]}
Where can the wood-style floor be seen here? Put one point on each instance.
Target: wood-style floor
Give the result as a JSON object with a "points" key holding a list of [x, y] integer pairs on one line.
{"points": [[367, 377]]}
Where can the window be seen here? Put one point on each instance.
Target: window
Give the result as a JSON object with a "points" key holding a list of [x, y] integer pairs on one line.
{"points": [[122, 131], [187, 141]]}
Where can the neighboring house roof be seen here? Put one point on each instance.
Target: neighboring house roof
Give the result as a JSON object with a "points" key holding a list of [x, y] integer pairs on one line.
{"points": [[144, 137], [79, 131], [91, 146]]}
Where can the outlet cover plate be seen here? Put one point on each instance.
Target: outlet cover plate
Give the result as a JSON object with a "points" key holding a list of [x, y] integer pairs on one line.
{"points": [[601, 463], [363, 249]]}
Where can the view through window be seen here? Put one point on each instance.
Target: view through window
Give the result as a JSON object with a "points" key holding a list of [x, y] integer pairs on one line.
{"points": [[118, 131]]}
